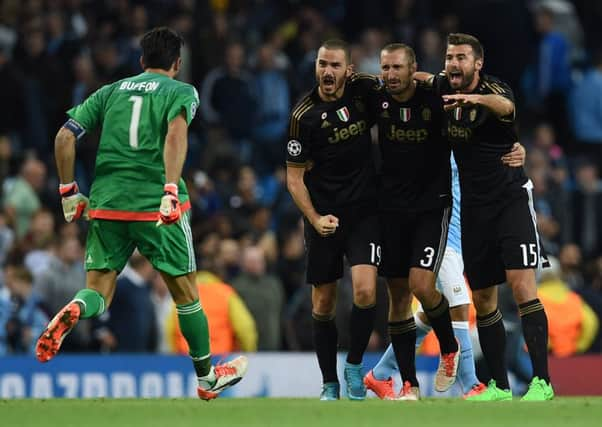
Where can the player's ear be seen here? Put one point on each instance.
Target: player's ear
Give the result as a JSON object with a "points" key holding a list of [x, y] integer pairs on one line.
{"points": [[349, 70], [478, 64], [142, 62], [177, 64]]}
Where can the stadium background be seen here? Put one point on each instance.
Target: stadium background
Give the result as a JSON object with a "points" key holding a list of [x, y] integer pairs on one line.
{"points": [[250, 61]]}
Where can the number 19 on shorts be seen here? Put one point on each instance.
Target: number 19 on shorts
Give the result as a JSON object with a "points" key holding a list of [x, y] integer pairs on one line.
{"points": [[374, 254]]}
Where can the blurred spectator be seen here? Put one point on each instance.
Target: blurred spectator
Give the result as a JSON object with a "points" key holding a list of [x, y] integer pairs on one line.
{"points": [[21, 199], [231, 325], [56, 286], [227, 98], [46, 90], [291, 263], [547, 81], [12, 107], [587, 207], [430, 51], [271, 116], [567, 23], [372, 41], [109, 65], [7, 238], [61, 43], [163, 306], [22, 318], [572, 324], [227, 259], [129, 325], [544, 138], [261, 234], [264, 296], [571, 266], [586, 111], [38, 244]]}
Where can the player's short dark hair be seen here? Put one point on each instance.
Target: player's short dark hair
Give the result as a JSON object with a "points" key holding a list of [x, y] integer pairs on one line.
{"points": [[338, 44], [460, 38], [410, 54], [160, 48]]}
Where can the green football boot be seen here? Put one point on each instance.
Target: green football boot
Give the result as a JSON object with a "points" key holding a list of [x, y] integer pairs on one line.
{"points": [[492, 394], [539, 390]]}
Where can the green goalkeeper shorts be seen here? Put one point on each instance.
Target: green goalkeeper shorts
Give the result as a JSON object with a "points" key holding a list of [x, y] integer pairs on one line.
{"points": [[169, 248]]}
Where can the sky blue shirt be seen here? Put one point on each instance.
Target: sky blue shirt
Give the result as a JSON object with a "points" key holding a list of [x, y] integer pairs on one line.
{"points": [[454, 239], [586, 107]]}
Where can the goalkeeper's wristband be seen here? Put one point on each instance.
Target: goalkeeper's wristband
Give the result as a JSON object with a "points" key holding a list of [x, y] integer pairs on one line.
{"points": [[70, 189], [170, 188]]}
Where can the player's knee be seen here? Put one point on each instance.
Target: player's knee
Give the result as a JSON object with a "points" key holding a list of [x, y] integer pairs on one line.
{"points": [[483, 304], [423, 290], [323, 304], [364, 295], [523, 291]]}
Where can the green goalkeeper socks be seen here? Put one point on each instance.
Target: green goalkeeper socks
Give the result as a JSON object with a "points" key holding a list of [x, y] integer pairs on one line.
{"points": [[91, 302], [194, 327]]}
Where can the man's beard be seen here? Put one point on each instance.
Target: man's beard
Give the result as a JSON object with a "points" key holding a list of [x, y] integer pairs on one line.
{"points": [[467, 80]]}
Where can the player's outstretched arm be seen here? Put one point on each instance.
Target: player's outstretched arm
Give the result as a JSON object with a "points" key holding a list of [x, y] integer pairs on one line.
{"points": [[75, 204], [499, 105], [423, 76], [325, 224], [174, 154]]}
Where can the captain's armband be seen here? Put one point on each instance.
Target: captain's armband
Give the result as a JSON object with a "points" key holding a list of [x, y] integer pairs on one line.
{"points": [[75, 128]]}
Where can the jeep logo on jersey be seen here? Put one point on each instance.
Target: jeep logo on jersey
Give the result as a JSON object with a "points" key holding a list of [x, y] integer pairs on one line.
{"points": [[345, 133], [459, 132], [294, 147], [405, 113], [343, 114], [407, 135]]}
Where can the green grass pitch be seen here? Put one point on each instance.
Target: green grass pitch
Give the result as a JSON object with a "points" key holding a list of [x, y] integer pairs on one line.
{"points": [[562, 412]]}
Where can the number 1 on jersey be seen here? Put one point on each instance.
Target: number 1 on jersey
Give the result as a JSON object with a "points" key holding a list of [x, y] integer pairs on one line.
{"points": [[135, 121]]}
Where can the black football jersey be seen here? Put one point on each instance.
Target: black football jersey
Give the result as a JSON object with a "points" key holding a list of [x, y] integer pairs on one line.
{"points": [[479, 139], [332, 140], [415, 170]]}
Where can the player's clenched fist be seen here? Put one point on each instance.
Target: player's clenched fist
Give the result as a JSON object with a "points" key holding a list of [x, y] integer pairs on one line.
{"points": [[326, 225], [169, 211], [75, 204]]}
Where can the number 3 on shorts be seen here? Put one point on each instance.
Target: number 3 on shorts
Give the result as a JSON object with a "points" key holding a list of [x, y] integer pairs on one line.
{"points": [[427, 261]]}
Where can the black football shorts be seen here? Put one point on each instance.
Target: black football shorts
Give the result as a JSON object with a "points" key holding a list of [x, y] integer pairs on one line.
{"points": [[413, 240]]}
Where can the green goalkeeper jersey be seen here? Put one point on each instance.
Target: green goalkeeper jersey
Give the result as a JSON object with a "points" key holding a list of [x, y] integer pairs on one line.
{"points": [[134, 114]]}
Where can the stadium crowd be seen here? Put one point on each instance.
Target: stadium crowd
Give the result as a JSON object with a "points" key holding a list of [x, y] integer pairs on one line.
{"points": [[251, 61]]}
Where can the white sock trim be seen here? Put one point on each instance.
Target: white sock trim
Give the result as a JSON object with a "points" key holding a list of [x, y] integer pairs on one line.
{"points": [[460, 324], [198, 359], [420, 324]]}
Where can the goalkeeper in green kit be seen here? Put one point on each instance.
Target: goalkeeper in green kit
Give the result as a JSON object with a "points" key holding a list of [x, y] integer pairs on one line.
{"points": [[138, 200]]}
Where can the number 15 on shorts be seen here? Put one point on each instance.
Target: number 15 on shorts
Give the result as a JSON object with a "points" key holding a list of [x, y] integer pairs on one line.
{"points": [[530, 256]]}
